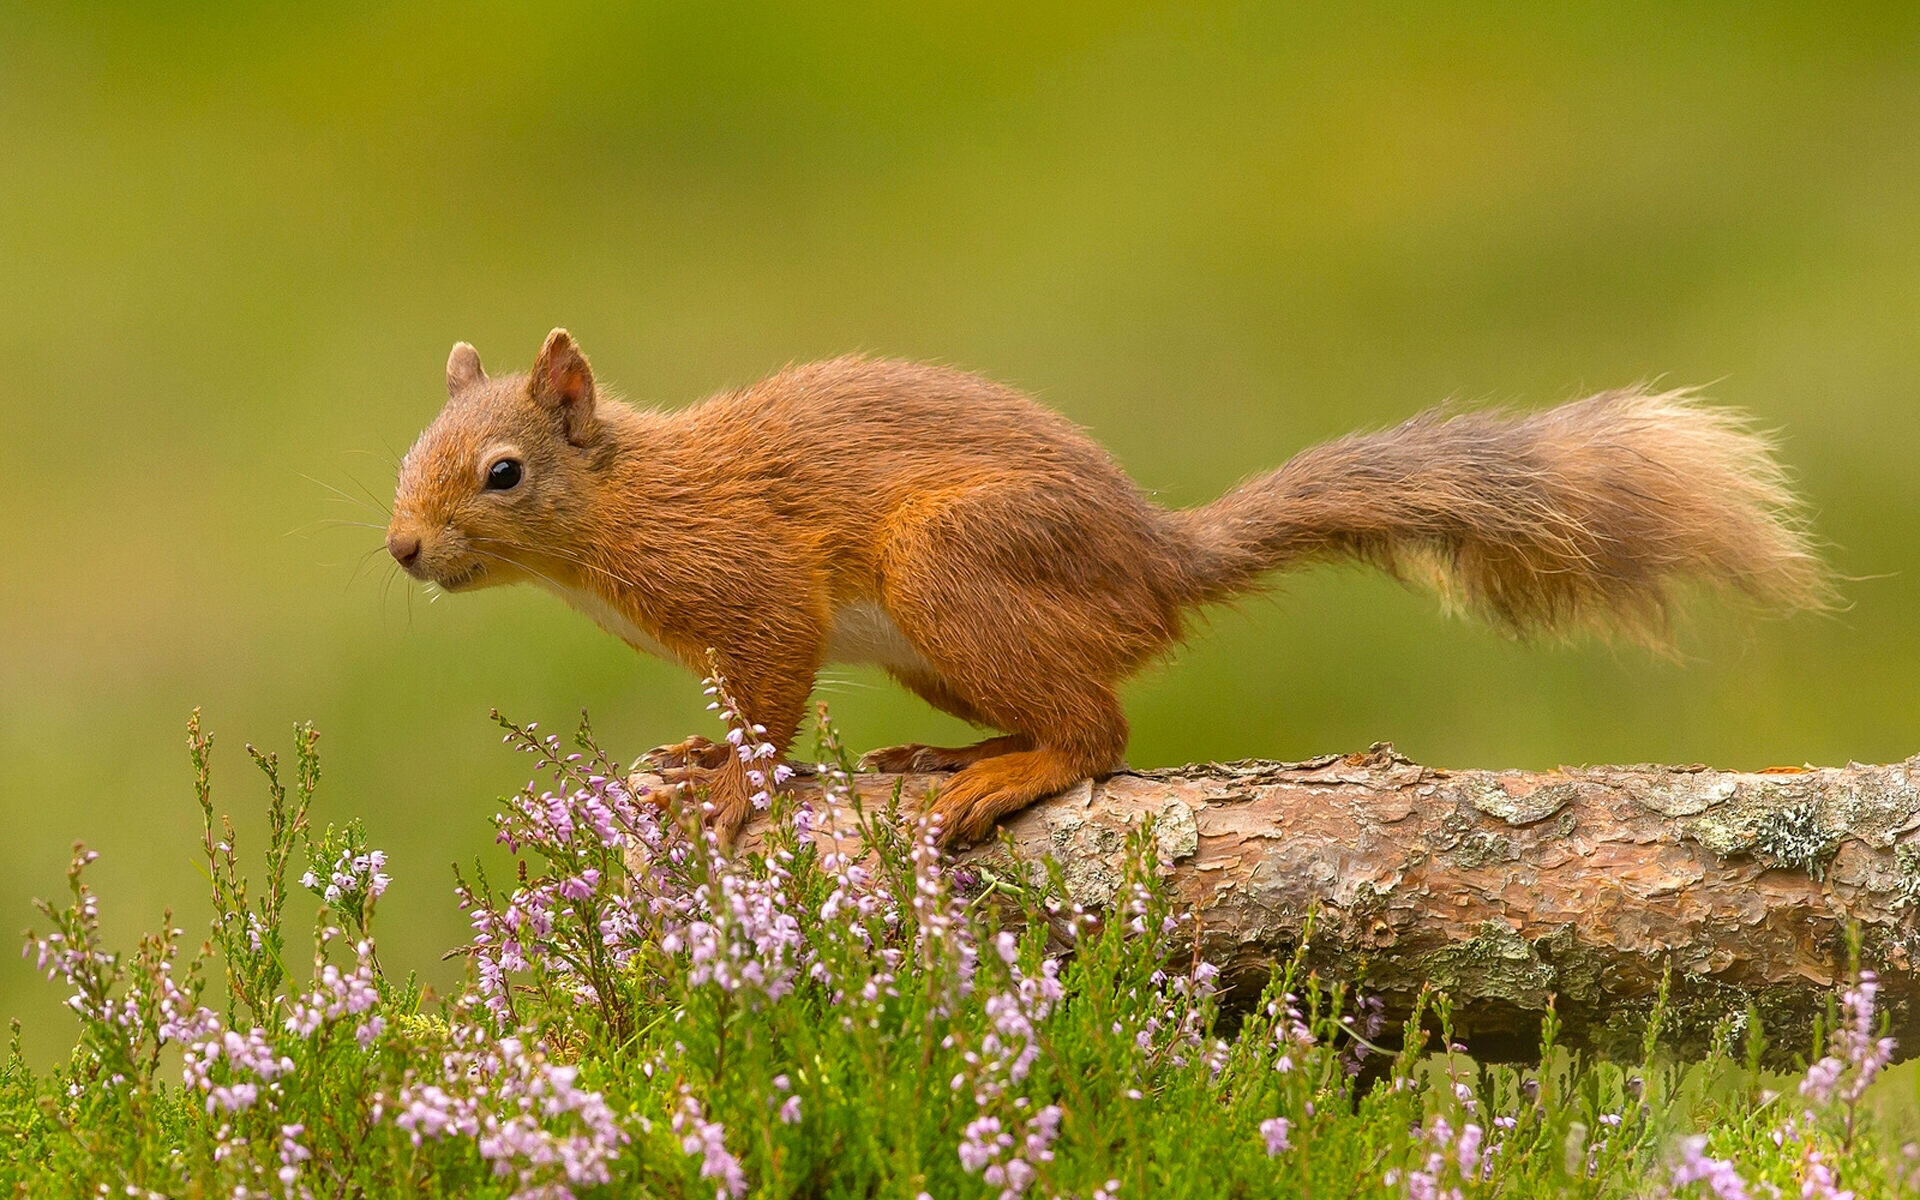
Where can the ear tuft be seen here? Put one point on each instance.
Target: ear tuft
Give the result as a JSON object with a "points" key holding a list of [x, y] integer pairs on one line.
{"points": [[563, 381], [463, 369]]}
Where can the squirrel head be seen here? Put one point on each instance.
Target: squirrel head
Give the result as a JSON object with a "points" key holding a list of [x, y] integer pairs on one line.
{"points": [[503, 474]]}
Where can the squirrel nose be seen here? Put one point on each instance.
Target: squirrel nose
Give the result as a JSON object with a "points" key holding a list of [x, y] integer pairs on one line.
{"points": [[405, 547]]}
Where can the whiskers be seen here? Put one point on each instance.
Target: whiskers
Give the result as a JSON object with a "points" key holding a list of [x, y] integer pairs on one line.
{"points": [[372, 502], [360, 564], [834, 683], [391, 458], [393, 572], [330, 523], [563, 556], [501, 558], [370, 506]]}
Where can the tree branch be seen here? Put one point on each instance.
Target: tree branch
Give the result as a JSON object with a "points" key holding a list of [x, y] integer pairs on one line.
{"points": [[1506, 888]]}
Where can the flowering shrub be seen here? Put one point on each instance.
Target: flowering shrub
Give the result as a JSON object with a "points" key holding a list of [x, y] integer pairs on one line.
{"points": [[837, 1011]]}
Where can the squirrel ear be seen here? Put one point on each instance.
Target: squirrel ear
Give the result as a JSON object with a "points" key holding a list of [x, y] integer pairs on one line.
{"points": [[463, 369], [563, 381]]}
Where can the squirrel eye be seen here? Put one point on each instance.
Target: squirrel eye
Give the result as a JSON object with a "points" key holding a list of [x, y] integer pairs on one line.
{"points": [[503, 475]]}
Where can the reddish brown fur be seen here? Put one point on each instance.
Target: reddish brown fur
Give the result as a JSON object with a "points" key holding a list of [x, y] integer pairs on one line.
{"points": [[1024, 569]]}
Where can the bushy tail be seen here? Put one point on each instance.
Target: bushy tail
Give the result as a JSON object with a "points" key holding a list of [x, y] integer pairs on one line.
{"points": [[1582, 516]]}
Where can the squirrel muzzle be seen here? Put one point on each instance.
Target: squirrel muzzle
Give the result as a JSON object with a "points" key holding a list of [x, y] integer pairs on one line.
{"points": [[438, 557]]}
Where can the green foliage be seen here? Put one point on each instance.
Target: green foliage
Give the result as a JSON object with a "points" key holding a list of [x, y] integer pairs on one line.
{"points": [[241, 239], [835, 1012]]}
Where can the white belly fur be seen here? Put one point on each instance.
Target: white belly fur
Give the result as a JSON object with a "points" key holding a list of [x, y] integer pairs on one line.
{"points": [[862, 632], [612, 620]]}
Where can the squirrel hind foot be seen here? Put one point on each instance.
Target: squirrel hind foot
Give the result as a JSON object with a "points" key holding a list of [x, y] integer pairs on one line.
{"points": [[916, 759], [980, 796]]}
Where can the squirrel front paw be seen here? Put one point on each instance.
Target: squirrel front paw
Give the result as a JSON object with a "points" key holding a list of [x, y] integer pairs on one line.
{"points": [[726, 810], [696, 751], [724, 805]]}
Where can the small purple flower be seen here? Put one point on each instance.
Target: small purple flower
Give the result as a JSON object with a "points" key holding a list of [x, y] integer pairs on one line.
{"points": [[708, 1139], [1695, 1166], [1275, 1131]]}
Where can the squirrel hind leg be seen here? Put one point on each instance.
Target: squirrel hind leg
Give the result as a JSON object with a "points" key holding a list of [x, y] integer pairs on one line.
{"points": [[1068, 727], [916, 758], [1034, 655], [979, 797], [1076, 730]]}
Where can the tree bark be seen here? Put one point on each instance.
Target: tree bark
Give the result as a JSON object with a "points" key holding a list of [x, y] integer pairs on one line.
{"points": [[1584, 885]]}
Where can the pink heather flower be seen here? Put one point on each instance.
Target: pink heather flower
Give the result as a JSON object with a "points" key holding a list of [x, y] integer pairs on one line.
{"points": [[1822, 1079], [1818, 1180], [1855, 1057], [1717, 1173], [524, 1114], [431, 1112], [1425, 1185], [355, 880], [1275, 1131], [1042, 1131], [1467, 1150], [708, 1139], [981, 1143], [989, 1150], [292, 1154], [336, 994], [1424, 1181]]}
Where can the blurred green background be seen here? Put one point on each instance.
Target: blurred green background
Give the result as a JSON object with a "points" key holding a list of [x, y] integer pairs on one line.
{"points": [[236, 243]]}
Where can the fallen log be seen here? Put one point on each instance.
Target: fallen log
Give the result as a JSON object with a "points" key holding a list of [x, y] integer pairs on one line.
{"points": [[1505, 889]]}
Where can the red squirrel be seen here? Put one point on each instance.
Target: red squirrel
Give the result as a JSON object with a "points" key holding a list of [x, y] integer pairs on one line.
{"points": [[995, 561]]}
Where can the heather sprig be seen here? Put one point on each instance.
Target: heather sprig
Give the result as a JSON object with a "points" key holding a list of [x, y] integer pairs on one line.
{"points": [[836, 1008], [1858, 1050], [250, 937], [346, 874]]}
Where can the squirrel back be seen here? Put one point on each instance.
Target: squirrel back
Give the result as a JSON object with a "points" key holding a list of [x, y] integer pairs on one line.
{"points": [[995, 560]]}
